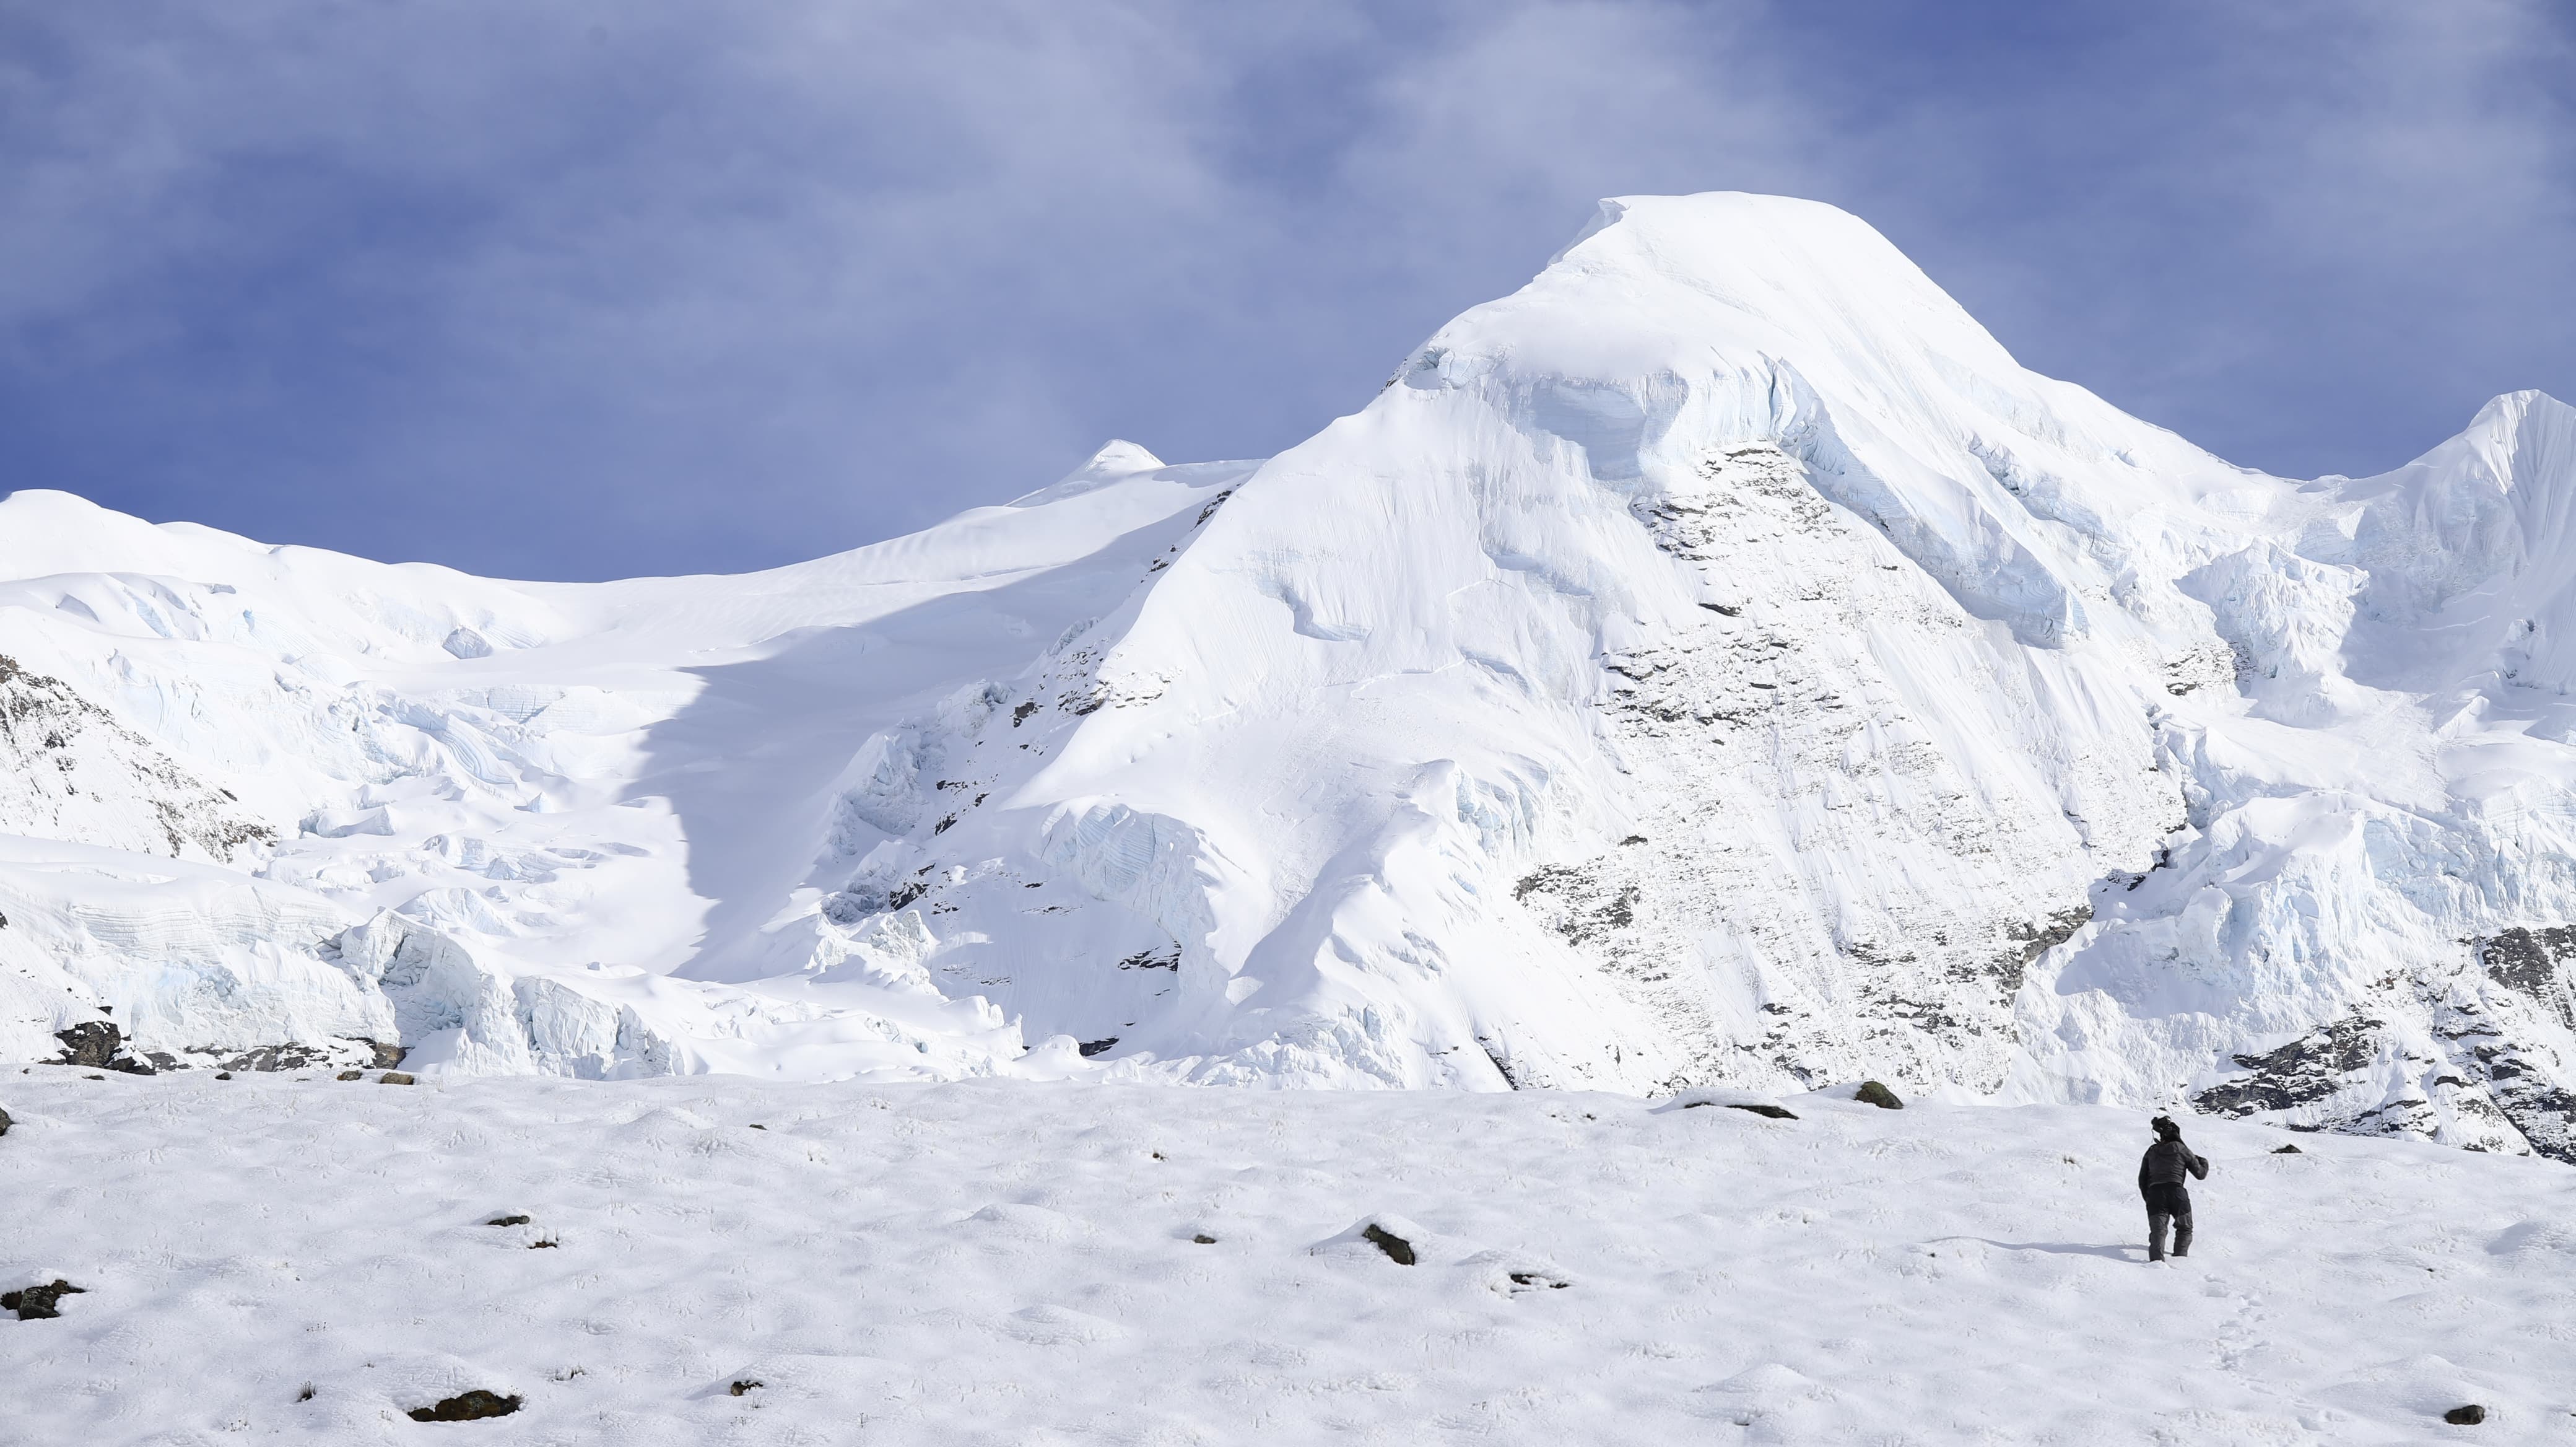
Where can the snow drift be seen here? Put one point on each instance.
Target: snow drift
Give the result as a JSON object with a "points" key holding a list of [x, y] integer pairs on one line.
{"points": [[1717, 663]]}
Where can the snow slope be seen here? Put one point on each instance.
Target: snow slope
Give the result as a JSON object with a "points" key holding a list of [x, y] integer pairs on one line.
{"points": [[504, 815], [1717, 662], [284, 1259]]}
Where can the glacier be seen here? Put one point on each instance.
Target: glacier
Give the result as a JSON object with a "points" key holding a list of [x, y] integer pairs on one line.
{"points": [[1718, 663]]}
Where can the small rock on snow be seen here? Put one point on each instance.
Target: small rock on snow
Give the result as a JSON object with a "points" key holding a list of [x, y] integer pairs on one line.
{"points": [[471, 1406], [2468, 1416], [1878, 1095], [36, 1303], [1397, 1249]]}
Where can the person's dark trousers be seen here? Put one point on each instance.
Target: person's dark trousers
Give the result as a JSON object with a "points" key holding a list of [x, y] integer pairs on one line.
{"points": [[2168, 1203]]}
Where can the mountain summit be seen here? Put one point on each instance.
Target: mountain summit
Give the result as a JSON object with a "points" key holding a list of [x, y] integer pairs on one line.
{"points": [[1716, 663]]}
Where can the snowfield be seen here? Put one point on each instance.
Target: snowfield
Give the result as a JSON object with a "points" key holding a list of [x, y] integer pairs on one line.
{"points": [[286, 1257], [1718, 663]]}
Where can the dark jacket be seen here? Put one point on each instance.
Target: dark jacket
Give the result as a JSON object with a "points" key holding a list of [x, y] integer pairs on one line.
{"points": [[2167, 1163]]}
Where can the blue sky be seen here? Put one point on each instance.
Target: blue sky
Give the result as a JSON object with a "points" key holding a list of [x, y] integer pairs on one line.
{"points": [[601, 287]]}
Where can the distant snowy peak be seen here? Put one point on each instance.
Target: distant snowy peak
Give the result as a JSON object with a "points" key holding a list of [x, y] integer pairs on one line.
{"points": [[1716, 663], [2478, 531], [1114, 462]]}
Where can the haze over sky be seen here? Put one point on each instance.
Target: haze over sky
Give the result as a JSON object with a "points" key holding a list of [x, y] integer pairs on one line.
{"points": [[602, 287]]}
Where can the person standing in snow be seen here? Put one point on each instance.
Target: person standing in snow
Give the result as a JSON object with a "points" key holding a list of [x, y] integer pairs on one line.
{"points": [[2162, 1173]]}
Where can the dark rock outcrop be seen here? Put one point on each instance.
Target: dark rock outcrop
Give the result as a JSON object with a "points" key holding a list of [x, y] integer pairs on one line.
{"points": [[61, 756], [101, 1045], [2307, 1069], [349, 1052], [2030, 941], [98, 1045], [2528, 960], [1873, 1093], [91, 1043]]}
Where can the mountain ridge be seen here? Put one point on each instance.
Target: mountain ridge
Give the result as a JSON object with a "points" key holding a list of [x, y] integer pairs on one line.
{"points": [[1716, 663]]}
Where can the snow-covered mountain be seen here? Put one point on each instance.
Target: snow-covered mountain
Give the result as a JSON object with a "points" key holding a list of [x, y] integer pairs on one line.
{"points": [[1717, 662]]}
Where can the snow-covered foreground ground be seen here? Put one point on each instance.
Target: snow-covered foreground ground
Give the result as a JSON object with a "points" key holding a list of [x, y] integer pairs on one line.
{"points": [[994, 1261]]}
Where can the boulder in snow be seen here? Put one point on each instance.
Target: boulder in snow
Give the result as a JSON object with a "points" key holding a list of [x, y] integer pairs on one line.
{"points": [[471, 1406], [36, 1303]]}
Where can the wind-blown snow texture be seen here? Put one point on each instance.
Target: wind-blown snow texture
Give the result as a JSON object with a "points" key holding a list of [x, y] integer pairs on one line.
{"points": [[1717, 662], [988, 1262]]}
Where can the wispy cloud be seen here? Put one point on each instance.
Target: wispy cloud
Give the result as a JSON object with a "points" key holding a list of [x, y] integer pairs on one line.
{"points": [[596, 287], [2300, 233]]}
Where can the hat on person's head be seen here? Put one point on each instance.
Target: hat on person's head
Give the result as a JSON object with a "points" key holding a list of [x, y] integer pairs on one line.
{"points": [[2165, 1127]]}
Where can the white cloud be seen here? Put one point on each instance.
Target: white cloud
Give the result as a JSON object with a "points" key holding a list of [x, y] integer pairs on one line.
{"points": [[691, 285]]}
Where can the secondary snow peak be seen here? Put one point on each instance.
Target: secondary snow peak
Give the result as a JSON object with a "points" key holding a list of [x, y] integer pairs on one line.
{"points": [[1115, 460]]}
